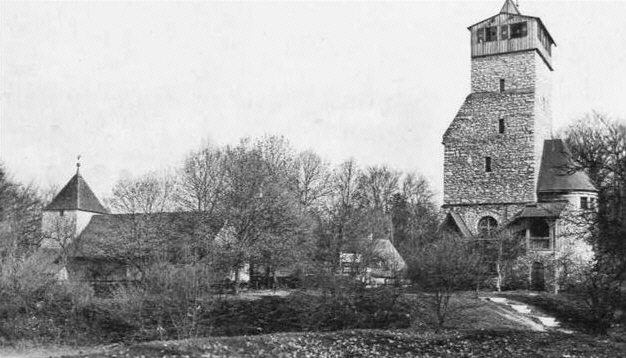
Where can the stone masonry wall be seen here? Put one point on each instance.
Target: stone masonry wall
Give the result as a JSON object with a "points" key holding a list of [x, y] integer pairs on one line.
{"points": [[517, 69], [471, 214], [543, 107], [474, 135]]}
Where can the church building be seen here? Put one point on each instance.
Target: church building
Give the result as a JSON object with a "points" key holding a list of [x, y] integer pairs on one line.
{"points": [[502, 167]]}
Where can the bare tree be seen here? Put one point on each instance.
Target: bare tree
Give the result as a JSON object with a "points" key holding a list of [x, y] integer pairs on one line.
{"points": [[598, 144], [313, 179], [202, 180], [261, 204], [414, 214], [378, 185], [20, 217], [149, 193], [442, 269]]}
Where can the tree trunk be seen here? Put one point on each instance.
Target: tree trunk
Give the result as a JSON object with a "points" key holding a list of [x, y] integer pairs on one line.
{"points": [[236, 282], [275, 283]]}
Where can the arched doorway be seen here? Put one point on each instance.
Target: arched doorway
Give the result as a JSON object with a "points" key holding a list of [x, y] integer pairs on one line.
{"points": [[538, 277]]}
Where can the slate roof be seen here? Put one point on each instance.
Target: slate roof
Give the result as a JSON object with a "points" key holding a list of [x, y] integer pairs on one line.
{"points": [[77, 195], [173, 229], [556, 173], [542, 210]]}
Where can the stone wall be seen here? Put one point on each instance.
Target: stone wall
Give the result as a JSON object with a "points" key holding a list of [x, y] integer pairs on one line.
{"points": [[517, 69], [474, 135], [471, 214]]}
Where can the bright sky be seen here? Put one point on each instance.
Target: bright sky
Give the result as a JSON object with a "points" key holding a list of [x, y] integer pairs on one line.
{"points": [[133, 87]]}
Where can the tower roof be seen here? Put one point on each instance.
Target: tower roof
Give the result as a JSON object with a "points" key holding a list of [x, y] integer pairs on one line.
{"points": [[557, 173], [77, 195], [509, 8]]}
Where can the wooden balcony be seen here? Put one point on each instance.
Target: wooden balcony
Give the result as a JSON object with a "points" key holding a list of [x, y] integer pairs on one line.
{"points": [[539, 243]]}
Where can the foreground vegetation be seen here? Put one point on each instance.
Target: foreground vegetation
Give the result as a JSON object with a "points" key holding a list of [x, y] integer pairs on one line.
{"points": [[379, 343]]}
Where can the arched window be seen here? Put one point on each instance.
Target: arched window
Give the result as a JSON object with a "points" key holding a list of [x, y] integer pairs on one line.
{"points": [[487, 226]]}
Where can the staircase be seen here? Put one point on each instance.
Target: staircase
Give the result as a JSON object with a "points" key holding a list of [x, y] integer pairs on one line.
{"points": [[542, 322]]}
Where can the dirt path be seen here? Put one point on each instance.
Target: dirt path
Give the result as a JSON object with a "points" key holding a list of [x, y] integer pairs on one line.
{"points": [[51, 351]]}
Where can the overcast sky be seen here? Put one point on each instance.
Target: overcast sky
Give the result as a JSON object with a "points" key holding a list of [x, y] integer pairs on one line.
{"points": [[133, 87]]}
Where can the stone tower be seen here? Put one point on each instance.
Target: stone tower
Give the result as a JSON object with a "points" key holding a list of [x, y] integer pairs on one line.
{"points": [[493, 147]]}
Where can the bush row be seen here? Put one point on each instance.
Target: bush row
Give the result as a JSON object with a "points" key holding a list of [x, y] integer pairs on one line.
{"points": [[153, 317]]}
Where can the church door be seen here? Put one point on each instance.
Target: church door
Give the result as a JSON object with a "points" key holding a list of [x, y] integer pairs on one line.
{"points": [[537, 277]]}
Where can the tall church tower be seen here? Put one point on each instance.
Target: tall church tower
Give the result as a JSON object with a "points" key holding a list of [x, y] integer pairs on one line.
{"points": [[493, 147]]}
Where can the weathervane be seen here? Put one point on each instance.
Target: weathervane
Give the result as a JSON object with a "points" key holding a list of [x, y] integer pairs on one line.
{"points": [[77, 164]]}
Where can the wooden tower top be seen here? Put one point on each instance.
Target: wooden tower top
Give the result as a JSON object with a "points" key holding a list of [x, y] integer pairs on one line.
{"points": [[510, 31]]}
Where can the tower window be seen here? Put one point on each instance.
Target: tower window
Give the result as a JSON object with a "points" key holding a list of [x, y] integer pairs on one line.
{"points": [[504, 32], [488, 164], [491, 33], [487, 226], [480, 36], [61, 213], [502, 85], [518, 30], [583, 202], [501, 125]]}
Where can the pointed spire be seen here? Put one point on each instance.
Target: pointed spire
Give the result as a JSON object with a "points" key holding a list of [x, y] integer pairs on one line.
{"points": [[77, 195], [509, 7]]}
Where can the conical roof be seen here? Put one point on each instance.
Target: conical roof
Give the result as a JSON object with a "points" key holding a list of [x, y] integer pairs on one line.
{"points": [[77, 195], [509, 8], [557, 173]]}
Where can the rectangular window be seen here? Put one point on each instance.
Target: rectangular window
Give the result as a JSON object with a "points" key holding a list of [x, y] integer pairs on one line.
{"points": [[501, 125], [518, 30], [583, 203], [491, 33], [504, 32], [488, 164], [592, 203], [480, 36], [502, 86]]}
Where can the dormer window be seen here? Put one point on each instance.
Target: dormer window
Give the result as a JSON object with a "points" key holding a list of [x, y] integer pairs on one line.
{"points": [[519, 30]]}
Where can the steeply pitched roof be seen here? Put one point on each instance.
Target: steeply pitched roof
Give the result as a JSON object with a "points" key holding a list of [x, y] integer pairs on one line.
{"points": [[455, 221], [77, 195], [104, 233], [557, 174], [509, 8]]}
